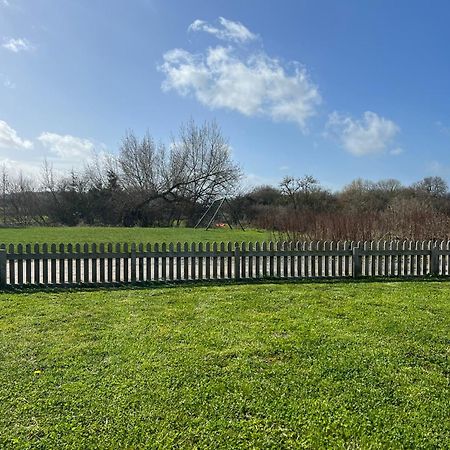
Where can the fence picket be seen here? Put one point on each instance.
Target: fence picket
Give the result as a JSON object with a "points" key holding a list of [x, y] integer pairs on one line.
{"points": [[94, 264], [292, 257], [12, 266], [70, 263], [148, 262], [243, 260], [412, 258], [208, 261], [222, 261], [271, 259], [62, 271], [164, 261], [251, 258], [20, 265], [126, 263], [193, 262], [258, 260], [178, 261], [133, 262], [336, 270], [230, 260], [37, 264], [186, 262], [171, 261], [447, 260], [28, 264], [109, 273], [214, 261], [86, 274], [327, 259], [118, 264], [277, 249], [200, 260], [77, 263], [53, 264]]}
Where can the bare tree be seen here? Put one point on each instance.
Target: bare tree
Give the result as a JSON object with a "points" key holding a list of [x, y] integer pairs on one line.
{"points": [[195, 170], [434, 186], [298, 190], [140, 163]]}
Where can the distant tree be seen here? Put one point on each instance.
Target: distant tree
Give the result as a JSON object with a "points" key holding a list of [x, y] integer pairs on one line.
{"points": [[388, 185], [434, 186], [264, 195], [293, 188]]}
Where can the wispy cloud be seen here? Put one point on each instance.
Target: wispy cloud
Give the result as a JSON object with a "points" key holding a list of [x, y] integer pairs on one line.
{"points": [[444, 129], [369, 135], [67, 146], [9, 139], [253, 84], [17, 45], [7, 83], [252, 180], [396, 151], [227, 30]]}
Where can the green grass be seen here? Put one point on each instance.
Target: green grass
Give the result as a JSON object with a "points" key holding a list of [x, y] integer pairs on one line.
{"points": [[339, 365], [119, 234]]}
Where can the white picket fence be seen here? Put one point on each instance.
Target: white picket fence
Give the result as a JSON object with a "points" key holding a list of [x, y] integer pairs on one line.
{"points": [[108, 264]]}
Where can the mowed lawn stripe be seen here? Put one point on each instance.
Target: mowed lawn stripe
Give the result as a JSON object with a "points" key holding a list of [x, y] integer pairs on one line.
{"points": [[346, 365]]}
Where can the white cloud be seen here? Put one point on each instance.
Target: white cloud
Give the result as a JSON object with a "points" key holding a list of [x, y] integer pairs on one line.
{"points": [[14, 167], [256, 85], [370, 135], [67, 146], [63, 152], [9, 139], [252, 180], [17, 45], [227, 31], [396, 151]]}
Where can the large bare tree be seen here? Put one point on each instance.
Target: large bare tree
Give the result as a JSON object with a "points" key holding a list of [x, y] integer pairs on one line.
{"points": [[196, 169]]}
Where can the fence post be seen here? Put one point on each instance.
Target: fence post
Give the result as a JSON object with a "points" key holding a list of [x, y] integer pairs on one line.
{"points": [[237, 261], [434, 259], [356, 262], [2, 267]]}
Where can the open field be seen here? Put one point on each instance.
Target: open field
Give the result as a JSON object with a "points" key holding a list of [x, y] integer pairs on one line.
{"points": [[343, 365], [120, 234]]}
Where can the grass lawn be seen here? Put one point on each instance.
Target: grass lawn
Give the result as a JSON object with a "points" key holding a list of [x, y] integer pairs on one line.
{"points": [[338, 365], [121, 234]]}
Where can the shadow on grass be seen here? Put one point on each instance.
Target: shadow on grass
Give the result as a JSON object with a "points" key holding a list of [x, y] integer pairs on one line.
{"points": [[210, 283]]}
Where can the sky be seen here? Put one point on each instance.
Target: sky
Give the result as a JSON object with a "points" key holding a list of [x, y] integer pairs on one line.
{"points": [[335, 89]]}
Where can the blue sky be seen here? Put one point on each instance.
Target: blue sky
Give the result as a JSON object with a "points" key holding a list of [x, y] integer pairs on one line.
{"points": [[336, 89]]}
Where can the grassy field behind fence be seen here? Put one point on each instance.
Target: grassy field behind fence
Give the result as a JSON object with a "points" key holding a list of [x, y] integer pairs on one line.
{"points": [[73, 235], [344, 365]]}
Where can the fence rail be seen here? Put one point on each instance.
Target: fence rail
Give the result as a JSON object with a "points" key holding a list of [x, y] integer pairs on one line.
{"points": [[108, 264]]}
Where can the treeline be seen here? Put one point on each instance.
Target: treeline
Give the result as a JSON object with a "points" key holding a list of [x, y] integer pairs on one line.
{"points": [[300, 208], [145, 184], [150, 184]]}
